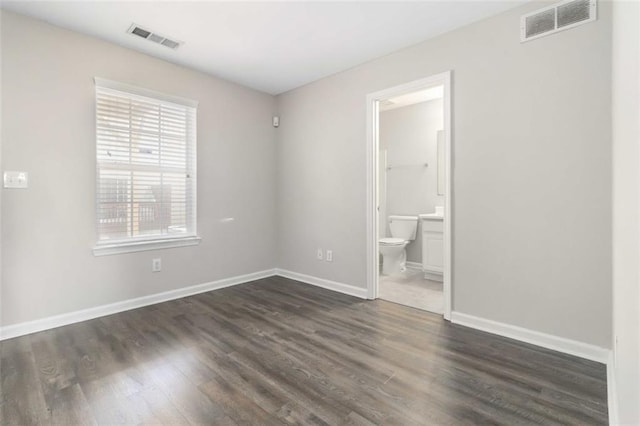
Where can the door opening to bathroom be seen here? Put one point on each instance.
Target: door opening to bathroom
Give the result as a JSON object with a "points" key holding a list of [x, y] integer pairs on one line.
{"points": [[409, 194]]}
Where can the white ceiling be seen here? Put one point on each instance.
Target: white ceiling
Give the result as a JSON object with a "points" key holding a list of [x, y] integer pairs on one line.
{"points": [[269, 46]]}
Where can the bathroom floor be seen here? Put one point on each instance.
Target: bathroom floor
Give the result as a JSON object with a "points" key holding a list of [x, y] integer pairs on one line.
{"points": [[411, 289]]}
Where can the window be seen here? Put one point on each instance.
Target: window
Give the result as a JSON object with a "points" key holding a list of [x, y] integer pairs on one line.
{"points": [[145, 169]]}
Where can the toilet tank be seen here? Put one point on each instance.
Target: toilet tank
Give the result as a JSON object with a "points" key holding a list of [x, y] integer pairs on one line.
{"points": [[403, 227]]}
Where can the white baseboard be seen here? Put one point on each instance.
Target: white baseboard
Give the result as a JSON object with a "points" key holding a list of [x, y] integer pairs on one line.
{"points": [[433, 276], [21, 329], [560, 344], [415, 266], [612, 393], [321, 282]]}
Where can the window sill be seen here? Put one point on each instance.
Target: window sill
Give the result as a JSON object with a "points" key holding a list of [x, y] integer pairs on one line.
{"points": [[107, 249]]}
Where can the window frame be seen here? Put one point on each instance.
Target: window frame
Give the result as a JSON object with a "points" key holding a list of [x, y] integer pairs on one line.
{"points": [[144, 243]]}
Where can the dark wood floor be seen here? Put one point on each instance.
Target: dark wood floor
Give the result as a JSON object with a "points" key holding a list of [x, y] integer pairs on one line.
{"points": [[279, 352]]}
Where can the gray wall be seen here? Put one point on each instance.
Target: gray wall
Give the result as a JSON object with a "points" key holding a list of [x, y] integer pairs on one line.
{"points": [[532, 177], [532, 174], [48, 129], [626, 209], [410, 136]]}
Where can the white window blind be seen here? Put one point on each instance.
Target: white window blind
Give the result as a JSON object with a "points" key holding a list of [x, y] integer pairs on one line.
{"points": [[146, 165]]}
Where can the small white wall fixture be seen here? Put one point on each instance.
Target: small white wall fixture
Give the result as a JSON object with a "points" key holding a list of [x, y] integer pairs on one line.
{"points": [[373, 101]]}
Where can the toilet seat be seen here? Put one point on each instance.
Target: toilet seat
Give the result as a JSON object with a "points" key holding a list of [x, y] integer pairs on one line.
{"points": [[391, 241]]}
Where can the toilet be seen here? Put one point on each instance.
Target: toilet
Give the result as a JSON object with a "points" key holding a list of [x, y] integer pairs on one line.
{"points": [[393, 249]]}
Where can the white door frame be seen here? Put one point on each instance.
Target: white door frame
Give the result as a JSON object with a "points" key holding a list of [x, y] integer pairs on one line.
{"points": [[373, 182]]}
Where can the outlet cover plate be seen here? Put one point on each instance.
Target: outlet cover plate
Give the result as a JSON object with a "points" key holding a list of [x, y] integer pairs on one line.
{"points": [[16, 180]]}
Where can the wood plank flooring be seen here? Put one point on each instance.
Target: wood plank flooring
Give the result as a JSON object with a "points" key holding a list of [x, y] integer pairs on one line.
{"points": [[275, 351]]}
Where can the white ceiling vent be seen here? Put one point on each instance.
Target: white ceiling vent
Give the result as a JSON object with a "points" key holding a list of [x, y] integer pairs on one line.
{"points": [[154, 37], [560, 16]]}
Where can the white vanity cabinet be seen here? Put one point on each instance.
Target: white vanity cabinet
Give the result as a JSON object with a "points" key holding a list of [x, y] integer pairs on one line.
{"points": [[432, 246]]}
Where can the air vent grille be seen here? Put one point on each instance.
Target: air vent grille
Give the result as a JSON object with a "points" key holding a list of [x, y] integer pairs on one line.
{"points": [[573, 12], [561, 16], [153, 37], [170, 43], [140, 32], [540, 23]]}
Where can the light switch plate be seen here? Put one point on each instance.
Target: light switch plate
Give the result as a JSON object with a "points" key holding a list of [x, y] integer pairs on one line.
{"points": [[19, 180]]}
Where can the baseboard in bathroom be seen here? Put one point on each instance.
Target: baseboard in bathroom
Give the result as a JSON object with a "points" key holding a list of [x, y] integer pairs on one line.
{"points": [[414, 266], [433, 276]]}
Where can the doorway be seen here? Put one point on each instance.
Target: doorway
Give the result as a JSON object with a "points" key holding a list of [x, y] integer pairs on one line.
{"points": [[403, 266]]}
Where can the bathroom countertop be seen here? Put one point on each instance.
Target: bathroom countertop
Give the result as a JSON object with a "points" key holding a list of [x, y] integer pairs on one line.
{"points": [[431, 216]]}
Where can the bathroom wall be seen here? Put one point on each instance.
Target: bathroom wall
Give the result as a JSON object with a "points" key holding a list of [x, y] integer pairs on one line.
{"points": [[409, 136], [48, 130], [531, 171]]}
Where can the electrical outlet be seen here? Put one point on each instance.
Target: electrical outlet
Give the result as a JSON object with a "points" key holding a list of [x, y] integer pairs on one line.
{"points": [[19, 180], [319, 254], [329, 256], [156, 265]]}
